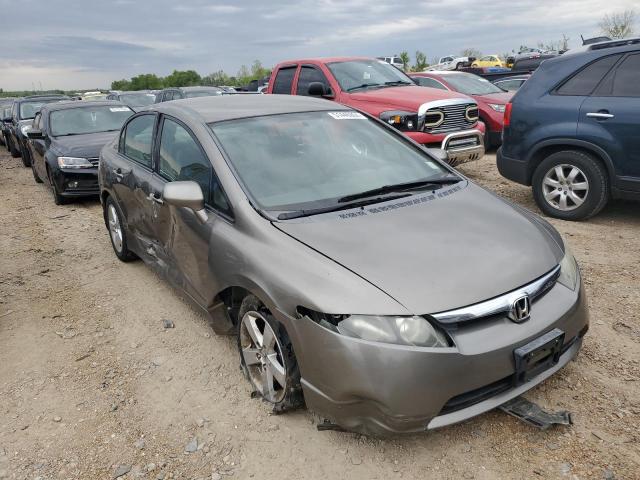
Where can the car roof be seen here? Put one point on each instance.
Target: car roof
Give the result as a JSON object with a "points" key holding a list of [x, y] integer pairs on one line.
{"points": [[199, 87], [612, 46], [326, 59], [229, 107], [71, 104], [441, 72], [32, 98]]}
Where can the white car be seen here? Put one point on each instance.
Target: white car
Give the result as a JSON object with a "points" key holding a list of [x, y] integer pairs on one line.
{"points": [[450, 62], [394, 60]]}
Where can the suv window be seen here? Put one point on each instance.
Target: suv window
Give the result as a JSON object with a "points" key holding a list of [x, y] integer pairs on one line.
{"points": [[138, 139], [587, 79], [181, 157], [429, 82], [284, 79], [307, 76], [623, 81]]}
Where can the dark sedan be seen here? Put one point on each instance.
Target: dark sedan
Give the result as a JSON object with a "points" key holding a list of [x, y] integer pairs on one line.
{"points": [[178, 93], [65, 142], [5, 112], [135, 100]]}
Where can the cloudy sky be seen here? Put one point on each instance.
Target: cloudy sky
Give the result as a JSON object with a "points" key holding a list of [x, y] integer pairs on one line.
{"points": [[84, 44]]}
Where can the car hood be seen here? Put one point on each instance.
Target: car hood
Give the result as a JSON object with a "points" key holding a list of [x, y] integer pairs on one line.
{"points": [[87, 145], [435, 252], [410, 97], [501, 98]]}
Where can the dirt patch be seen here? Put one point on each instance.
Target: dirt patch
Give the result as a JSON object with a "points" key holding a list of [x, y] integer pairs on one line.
{"points": [[93, 385]]}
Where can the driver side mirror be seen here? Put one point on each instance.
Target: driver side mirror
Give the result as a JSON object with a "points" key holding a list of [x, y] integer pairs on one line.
{"points": [[317, 89], [186, 194], [35, 134]]}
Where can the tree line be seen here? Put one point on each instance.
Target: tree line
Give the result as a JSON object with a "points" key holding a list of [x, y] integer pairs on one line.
{"points": [[189, 78]]}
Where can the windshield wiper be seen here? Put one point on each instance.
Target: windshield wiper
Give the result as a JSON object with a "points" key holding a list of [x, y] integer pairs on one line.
{"points": [[339, 206], [401, 187], [398, 82], [364, 85]]}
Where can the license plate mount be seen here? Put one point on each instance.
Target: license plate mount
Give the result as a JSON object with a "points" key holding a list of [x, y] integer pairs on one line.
{"points": [[537, 356]]}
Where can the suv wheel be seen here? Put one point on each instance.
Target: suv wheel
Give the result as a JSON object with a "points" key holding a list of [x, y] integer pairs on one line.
{"points": [[266, 356], [117, 232], [571, 185]]}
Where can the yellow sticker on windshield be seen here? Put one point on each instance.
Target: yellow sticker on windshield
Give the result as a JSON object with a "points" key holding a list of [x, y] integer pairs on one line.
{"points": [[347, 115]]}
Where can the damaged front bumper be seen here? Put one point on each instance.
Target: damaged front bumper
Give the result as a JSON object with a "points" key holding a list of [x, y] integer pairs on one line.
{"points": [[382, 389]]}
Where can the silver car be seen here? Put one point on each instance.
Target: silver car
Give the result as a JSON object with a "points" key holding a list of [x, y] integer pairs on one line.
{"points": [[362, 276]]}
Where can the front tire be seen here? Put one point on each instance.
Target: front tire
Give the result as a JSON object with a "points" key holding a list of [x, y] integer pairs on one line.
{"points": [[571, 185], [266, 356], [117, 233], [26, 158], [57, 198], [15, 153]]}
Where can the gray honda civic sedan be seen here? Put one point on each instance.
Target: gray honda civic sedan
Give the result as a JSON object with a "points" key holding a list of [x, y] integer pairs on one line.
{"points": [[362, 276]]}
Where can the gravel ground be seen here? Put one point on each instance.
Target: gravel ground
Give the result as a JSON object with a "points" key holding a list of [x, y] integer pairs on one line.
{"points": [[93, 386]]}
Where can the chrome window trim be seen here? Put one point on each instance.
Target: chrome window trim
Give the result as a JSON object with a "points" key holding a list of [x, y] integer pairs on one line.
{"points": [[501, 304]]}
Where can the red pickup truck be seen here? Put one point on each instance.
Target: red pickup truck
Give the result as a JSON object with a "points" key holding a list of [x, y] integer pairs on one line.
{"points": [[434, 118]]}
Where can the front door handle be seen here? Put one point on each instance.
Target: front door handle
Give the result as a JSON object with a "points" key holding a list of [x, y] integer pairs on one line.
{"points": [[155, 197], [600, 115]]}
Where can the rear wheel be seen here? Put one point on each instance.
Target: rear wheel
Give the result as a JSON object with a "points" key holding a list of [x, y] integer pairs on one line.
{"points": [[571, 185], [117, 232], [267, 357]]}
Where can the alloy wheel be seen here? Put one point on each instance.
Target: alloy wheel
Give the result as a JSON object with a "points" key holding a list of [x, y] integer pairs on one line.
{"points": [[565, 187], [262, 354], [115, 229]]}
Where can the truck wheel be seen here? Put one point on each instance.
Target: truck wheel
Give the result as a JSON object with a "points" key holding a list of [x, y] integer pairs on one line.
{"points": [[571, 185], [266, 356]]}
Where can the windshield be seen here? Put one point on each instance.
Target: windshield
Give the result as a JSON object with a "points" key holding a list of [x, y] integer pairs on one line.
{"points": [[309, 160], [202, 93], [80, 121], [470, 84], [357, 74], [28, 110], [138, 99]]}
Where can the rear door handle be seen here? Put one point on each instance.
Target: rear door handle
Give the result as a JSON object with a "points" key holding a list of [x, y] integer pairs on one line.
{"points": [[155, 197], [600, 115]]}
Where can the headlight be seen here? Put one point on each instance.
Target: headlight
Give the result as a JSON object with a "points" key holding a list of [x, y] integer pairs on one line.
{"points": [[400, 119], [497, 108], [568, 269], [74, 162], [415, 331], [24, 129]]}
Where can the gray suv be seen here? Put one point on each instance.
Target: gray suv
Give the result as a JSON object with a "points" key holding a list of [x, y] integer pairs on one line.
{"points": [[361, 275]]}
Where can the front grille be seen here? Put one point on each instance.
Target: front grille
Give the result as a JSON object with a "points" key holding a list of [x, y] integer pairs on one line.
{"points": [[454, 118], [94, 161]]}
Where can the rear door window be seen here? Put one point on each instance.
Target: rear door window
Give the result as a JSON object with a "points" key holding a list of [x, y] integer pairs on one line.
{"points": [[284, 80], [586, 80], [307, 76], [624, 81]]}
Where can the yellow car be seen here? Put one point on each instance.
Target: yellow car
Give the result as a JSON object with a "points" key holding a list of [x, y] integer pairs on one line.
{"points": [[488, 61]]}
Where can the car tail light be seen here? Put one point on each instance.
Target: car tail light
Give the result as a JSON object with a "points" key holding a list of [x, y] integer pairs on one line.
{"points": [[507, 114]]}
